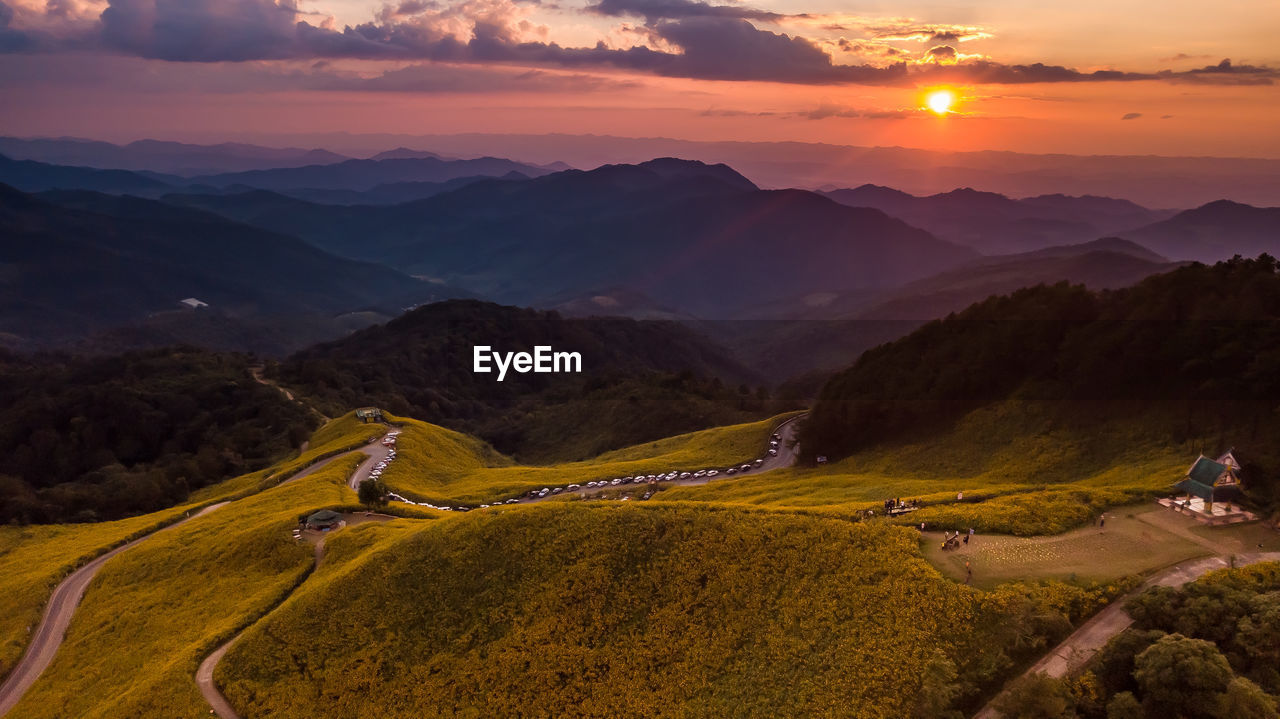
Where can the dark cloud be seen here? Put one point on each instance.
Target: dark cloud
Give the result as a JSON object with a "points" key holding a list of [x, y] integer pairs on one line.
{"points": [[714, 42], [1131, 116], [655, 10], [942, 53]]}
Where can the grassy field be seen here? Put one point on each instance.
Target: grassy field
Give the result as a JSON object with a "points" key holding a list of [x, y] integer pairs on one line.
{"points": [[1044, 475], [442, 466], [616, 610], [152, 613], [1126, 545], [34, 559]]}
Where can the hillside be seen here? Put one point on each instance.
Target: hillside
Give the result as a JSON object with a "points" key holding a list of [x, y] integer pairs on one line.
{"points": [[996, 224], [700, 238], [80, 263], [1190, 353], [1214, 232], [640, 380], [83, 439], [32, 176], [593, 611]]}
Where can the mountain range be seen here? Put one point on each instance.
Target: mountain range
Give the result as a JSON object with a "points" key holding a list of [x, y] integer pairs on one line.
{"points": [[77, 263], [700, 238]]}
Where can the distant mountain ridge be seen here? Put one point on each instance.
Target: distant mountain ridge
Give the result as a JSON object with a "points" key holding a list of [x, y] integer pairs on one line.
{"points": [[995, 224], [174, 158]]}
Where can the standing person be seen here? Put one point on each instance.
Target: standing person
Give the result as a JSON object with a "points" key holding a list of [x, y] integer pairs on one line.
{"points": [[922, 526], [966, 539], [1102, 520], [970, 533]]}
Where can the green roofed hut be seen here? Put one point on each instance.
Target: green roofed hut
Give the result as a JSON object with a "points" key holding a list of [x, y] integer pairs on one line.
{"points": [[324, 519], [369, 414], [1211, 488]]}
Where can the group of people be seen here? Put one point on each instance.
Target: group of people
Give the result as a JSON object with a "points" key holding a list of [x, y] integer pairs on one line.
{"points": [[898, 506], [953, 541]]}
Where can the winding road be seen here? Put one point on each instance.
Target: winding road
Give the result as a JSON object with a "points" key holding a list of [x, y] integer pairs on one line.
{"points": [[1085, 642], [57, 616], [67, 595]]}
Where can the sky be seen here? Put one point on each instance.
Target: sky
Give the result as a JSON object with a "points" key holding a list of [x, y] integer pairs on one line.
{"points": [[1081, 77]]}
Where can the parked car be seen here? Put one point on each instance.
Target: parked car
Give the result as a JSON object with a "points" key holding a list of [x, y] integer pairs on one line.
{"points": [[712, 472]]}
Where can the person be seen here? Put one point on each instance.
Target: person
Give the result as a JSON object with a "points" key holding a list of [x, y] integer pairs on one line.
{"points": [[959, 496], [966, 539], [1102, 520], [922, 526]]}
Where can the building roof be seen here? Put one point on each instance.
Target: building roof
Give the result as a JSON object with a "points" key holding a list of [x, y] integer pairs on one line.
{"points": [[1206, 471], [1192, 487], [323, 516], [1229, 459]]}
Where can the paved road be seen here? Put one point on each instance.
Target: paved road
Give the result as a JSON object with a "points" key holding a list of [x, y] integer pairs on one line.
{"points": [[57, 616], [377, 452], [788, 453], [1076, 650]]}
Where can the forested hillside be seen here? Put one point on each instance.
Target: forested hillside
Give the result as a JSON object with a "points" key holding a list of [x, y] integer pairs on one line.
{"points": [[1198, 347], [640, 380], [83, 439]]}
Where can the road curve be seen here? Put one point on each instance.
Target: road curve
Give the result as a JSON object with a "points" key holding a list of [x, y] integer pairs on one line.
{"points": [[1076, 650], [376, 451], [57, 616]]}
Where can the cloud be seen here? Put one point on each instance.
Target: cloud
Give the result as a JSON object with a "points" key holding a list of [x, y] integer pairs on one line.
{"points": [[1131, 116], [681, 38], [941, 53], [655, 10]]}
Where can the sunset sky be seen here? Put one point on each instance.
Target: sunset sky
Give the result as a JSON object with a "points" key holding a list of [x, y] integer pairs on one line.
{"points": [[1090, 76]]}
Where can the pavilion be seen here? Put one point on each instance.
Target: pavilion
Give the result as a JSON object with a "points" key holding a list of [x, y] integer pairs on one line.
{"points": [[1211, 488]]}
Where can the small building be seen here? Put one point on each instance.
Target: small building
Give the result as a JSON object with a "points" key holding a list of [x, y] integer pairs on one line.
{"points": [[324, 519], [369, 414], [1211, 489], [193, 303]]}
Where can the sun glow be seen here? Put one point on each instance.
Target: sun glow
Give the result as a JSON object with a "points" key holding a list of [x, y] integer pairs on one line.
{"points": [[939, 102]]}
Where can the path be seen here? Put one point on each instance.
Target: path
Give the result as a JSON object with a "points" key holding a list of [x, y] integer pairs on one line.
{"points": [[1076, 650], [204, 674], [57, 616], [256, 371]]}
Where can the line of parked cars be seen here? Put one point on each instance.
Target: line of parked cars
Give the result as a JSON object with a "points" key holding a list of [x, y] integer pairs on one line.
{"points": [[774, 442]]}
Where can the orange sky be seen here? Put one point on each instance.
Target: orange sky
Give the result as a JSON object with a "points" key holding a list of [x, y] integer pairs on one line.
{"points": [[791, 70]]}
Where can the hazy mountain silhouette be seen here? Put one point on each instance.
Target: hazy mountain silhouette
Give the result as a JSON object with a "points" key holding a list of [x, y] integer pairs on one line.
{"points": [[1213, 232], [176, 158], [995, 224]]}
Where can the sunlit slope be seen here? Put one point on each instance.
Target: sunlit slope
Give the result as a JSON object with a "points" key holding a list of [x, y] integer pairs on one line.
{"points": [[1022, 467], [616, 610], [34, 559], [336, 436], [152, 613], [443, 466]]}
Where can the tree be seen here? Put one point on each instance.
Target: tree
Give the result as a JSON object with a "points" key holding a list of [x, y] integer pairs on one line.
{"points": [[938, 688], [372, 493], [1124, 706], [1038, 696], [1181, 677], [1245, 700]]}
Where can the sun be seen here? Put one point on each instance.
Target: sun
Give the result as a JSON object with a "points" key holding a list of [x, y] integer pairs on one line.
{"points": [[939, 102]]}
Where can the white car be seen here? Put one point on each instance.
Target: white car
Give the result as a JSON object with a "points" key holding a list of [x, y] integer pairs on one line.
{"points": [[574, 487], [773, 453], [731, 470], [700, 473], [557, 490], [685, 475], [758, 462], [712, 472], [616, 482]]}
